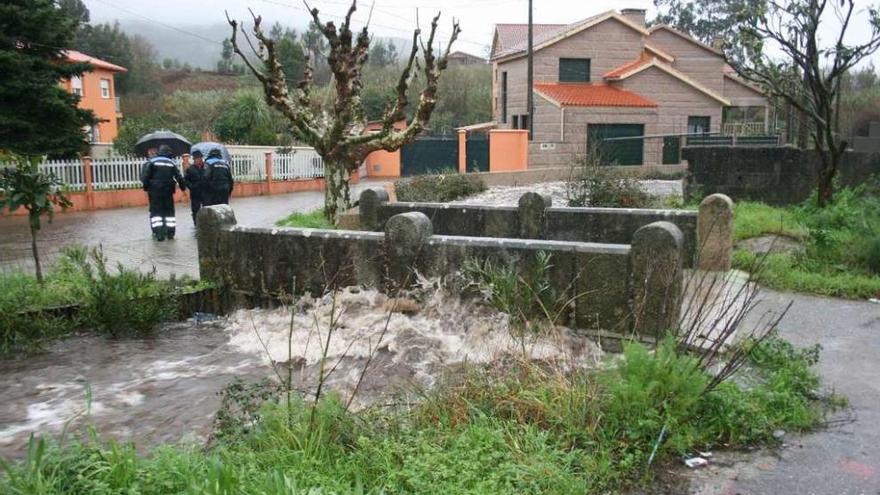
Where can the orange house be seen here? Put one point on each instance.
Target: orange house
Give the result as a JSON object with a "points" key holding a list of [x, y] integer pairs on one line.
{"points": [[97, 92]]}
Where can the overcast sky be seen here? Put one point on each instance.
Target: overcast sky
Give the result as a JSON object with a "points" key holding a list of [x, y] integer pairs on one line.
{"points": [[391, 18]]}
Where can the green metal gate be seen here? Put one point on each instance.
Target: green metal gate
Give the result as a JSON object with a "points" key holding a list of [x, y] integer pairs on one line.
{"points": [[617, 144], [429, 154], [671, 150], [477, 148]]}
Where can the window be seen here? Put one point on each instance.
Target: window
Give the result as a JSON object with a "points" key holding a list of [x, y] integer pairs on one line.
{"points": [[76, 85], [504, 98], [105, 88], [574, 70], [520, 121], [94, 133], [698, 125]]}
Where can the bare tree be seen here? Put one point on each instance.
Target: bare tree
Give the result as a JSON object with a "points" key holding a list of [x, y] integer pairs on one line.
{"points": [[809, 75], [339, 135]]}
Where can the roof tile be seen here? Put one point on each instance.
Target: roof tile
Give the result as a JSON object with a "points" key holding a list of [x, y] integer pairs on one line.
{"points": [[592, 95], [75, 56]]}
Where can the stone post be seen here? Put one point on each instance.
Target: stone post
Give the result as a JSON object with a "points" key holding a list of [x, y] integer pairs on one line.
{"points": [[88, 178], [532, 212], [269, 172], [405, 236], [715, 233], [656, 270], [368, 208], [210, 222]]}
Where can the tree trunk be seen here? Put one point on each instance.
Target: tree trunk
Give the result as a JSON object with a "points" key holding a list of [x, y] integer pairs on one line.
{"points": [[825, 190], [36, 254], [337, 197]]}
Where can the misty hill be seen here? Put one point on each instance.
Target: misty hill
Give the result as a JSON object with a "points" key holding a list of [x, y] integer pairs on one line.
{"points": [[199, 45]]}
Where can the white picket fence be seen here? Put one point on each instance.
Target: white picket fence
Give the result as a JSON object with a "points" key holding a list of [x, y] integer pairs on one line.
{"points": [[300, 162], [124, 172]]}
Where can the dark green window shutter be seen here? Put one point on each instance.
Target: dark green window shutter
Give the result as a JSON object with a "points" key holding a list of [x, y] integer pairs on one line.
{"points": [[574, 70]]}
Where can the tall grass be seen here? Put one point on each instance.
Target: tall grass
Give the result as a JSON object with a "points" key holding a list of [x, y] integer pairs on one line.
{"points": [[841, 255]]}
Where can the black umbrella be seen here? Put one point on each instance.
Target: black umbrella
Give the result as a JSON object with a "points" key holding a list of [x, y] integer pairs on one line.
{"points": [[179, 145]]}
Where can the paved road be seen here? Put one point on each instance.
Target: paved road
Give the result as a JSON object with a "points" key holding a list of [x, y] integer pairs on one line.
{"points": [[843, 458], [124, 233]]}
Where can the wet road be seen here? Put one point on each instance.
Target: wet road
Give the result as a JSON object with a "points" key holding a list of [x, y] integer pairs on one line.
{"points": [[844, 457], [124, 233]]}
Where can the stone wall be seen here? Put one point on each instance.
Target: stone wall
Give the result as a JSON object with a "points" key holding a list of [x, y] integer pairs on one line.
{"points": [[539, 220], [619, 290], [778, 175]]}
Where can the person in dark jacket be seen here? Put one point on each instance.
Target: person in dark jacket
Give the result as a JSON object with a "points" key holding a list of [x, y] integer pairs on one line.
{"points": [[158, 177], [196, 179], [220, 179]]}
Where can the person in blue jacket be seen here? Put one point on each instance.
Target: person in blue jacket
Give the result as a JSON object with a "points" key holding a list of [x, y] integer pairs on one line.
{"points": [[196, 178], [220, 180], [158, 177]]}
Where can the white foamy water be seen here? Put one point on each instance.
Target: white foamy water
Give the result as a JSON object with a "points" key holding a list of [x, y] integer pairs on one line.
{"points": [[164, 389], [445, 331]]}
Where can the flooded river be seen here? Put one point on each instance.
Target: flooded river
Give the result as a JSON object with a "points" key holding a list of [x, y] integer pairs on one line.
{"points": [[165, 388]]}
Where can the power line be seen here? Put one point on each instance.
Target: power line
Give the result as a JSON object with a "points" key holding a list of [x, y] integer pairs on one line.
{"points": [[160, 23]]}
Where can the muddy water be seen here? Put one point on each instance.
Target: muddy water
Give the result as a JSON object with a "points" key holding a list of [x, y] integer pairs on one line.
{"points": [[164, 389]]}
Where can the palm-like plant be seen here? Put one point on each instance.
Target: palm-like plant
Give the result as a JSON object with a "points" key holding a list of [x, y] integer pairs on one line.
{"points": [[26, 186]]}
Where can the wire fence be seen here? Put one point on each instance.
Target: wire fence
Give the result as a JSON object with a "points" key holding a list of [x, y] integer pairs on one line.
{"points": [[124, 172]]}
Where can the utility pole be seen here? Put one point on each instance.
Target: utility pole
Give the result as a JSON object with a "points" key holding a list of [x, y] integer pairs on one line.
{"points": [[530, 98]]}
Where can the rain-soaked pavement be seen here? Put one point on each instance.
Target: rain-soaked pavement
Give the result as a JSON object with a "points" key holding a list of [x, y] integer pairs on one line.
{"points": [[124, 233]]}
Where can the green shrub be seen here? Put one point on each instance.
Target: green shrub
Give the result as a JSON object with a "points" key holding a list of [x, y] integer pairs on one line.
{"points": [[872, 255], [596, 185], [127, 302], [438, 188]]}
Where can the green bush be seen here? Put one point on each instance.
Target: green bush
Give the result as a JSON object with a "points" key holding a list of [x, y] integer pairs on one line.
{"points": [[438, 188], [596, 185], [127, 302]]}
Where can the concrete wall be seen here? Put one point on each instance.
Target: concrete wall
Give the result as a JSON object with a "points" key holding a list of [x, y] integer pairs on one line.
{"points": [[508, 150], [778, 175], [626, 291], [591, 225]]}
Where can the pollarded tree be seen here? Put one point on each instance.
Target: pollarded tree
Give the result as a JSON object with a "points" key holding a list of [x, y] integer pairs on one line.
{"points": [[339, 135], [809, 74]]}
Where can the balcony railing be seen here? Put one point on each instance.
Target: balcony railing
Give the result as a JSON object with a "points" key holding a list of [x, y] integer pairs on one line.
{"points": [[743, 129]]}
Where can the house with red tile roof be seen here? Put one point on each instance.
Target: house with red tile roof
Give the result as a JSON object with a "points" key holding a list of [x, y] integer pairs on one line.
{"points": [[97, 92], [611, 77]]}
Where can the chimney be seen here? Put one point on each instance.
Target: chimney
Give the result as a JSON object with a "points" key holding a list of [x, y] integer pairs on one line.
{"points": [[635, 16]]}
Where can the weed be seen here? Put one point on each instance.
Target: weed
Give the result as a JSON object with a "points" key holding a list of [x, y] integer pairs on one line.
{"points": [[438, 188], [593, 184]]}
